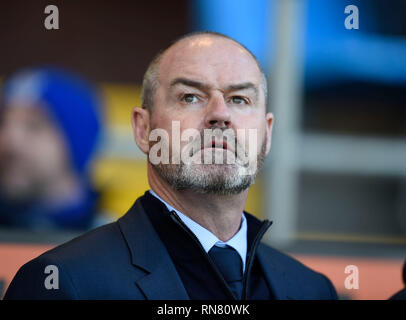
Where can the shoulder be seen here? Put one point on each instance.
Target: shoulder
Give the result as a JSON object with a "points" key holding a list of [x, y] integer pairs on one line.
{"points": [[96, 245], [309, 283], [81, 267], [401, 295], [285, 261]]}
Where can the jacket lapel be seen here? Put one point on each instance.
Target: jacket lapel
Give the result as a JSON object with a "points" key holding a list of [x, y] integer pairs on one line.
{"points": [[160, 280]]}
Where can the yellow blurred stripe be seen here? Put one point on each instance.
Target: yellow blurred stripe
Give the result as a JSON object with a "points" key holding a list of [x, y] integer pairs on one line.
{"points": [[119, 101], [121, 181]]}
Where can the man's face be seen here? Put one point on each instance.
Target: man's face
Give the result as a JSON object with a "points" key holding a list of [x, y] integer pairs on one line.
{"points": [[208, 82], [32, 152]]}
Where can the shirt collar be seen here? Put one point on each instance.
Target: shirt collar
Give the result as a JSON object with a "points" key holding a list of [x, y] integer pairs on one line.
{"points": [[208, 239]]}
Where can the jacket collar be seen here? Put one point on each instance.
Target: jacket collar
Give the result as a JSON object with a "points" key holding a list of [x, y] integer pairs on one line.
{"points": [[161, 280], [282, 287]]}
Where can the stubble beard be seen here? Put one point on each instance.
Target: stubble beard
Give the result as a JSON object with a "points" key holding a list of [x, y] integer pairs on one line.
{"points": [[217, 179]]}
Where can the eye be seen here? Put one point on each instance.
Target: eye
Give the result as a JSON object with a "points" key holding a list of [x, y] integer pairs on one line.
{"points": [[238, 100], [189, 98]]}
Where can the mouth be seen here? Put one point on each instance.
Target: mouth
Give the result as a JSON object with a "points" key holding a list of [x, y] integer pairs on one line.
{"points": [[217, 145]]}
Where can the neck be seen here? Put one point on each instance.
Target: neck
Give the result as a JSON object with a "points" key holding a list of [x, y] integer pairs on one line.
{"points": [[219, 214]]}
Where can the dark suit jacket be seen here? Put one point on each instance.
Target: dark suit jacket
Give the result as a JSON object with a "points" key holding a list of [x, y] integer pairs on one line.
{"points": [[127, 260], [401, 295]]}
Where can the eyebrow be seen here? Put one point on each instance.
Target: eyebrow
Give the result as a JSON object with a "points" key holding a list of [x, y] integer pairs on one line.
{"points": [[203, 86], [243, 86], [189, 83]]}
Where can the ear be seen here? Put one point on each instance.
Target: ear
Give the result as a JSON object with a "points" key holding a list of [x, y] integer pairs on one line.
{"points": [[140, 123], [269, 126]]}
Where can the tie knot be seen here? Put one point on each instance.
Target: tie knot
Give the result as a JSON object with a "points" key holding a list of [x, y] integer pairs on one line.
{"points": [[228, 262]]}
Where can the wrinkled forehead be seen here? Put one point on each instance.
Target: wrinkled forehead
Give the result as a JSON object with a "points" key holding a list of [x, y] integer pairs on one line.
{"points": [[214, 60]]}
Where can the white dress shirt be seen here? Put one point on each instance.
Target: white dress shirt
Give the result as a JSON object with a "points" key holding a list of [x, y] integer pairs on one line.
{"points": [[208, 239]]}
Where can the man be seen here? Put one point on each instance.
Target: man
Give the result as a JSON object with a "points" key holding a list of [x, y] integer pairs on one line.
{"points": [[49, 127], [188, 237]]}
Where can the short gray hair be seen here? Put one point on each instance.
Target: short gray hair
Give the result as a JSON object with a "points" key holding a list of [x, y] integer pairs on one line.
{"points": [[150, 81]]}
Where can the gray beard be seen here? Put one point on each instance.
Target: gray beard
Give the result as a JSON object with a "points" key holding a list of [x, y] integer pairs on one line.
{"points": [[219, 179]]}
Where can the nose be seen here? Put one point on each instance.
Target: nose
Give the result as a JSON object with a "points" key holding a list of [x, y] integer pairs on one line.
{"points": [[217, 113]]}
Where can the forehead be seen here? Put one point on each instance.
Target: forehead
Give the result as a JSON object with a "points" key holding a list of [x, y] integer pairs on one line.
{"points": [[213, 60]]}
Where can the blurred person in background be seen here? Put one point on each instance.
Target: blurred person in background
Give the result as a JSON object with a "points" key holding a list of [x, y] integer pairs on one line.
{"points": [[50, 122]]}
